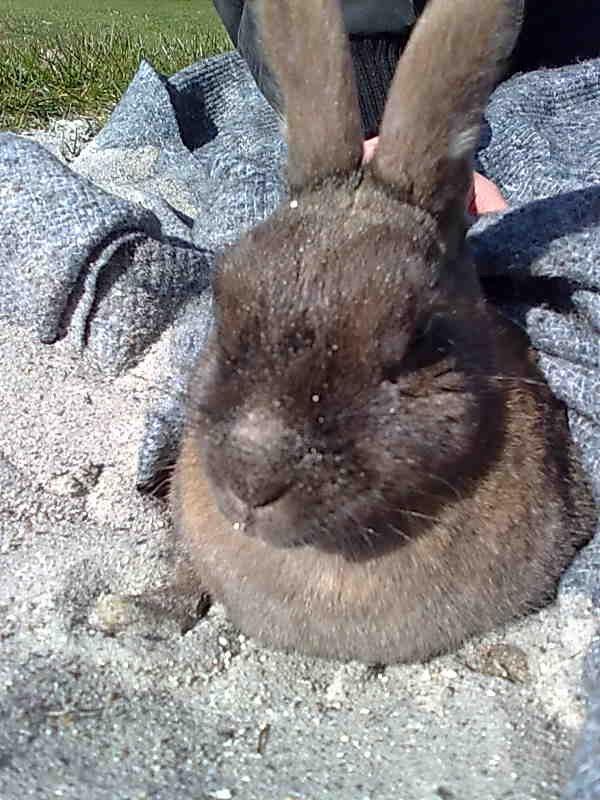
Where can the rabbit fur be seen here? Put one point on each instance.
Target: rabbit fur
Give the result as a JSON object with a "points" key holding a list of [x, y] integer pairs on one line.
{"points": [[373, 468]]}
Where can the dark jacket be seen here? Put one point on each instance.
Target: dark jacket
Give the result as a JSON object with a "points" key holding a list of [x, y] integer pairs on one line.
{"points": [[554, 33], [363, 17], [378, 31]]}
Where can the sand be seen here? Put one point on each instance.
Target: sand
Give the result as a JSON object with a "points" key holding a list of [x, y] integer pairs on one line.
{"points": [[151, 713]]}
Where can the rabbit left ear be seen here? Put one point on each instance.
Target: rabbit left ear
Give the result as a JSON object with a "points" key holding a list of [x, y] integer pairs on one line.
{"points": [[307, 48]]}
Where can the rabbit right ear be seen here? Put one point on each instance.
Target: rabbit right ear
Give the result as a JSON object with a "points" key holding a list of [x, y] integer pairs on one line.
{"points": [[432, 119], [308, 51]]}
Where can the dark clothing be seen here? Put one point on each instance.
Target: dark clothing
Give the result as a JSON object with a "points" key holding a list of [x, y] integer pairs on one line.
{"points": [[362, 17], [553, 33], [378, 31], [556, 33]]}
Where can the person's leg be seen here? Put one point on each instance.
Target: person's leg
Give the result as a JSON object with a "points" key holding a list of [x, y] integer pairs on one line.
{"points": [[556, 33], [250, 48], [374, 59], [230, 12]]}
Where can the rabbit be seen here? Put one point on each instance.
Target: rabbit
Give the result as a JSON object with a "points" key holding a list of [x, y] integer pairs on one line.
{"points": [[372, 466]]}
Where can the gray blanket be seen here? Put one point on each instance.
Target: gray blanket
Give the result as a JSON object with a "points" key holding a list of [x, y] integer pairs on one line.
{"points": [[113, 252]]}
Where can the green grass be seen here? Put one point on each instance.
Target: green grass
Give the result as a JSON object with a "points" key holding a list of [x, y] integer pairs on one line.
{"points": [[75, 58]]}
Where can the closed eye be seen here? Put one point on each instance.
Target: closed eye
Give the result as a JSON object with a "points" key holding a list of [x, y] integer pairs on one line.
{"points": [[430, 349], [298, 341]]}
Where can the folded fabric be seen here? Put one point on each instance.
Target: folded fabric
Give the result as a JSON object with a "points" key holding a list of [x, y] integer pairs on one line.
{"points": [[115, 251]]}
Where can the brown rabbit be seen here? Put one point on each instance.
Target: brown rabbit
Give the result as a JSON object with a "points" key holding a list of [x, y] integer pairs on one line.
{"points": [[373, 467]]}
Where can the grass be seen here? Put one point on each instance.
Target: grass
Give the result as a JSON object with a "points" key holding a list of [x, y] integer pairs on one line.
{"points": [[75, 58]]}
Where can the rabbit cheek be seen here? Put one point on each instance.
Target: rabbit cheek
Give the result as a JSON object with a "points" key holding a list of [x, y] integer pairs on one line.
{"points": [[423, 449]]}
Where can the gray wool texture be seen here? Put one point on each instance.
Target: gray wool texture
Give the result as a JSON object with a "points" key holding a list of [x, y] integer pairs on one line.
{"points": [[114, 252]]}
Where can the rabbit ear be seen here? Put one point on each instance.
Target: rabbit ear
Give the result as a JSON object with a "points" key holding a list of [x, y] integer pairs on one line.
{"points": [[432, 119], [307, 48]]}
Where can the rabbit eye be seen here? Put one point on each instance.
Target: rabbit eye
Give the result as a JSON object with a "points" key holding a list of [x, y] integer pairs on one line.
{"points": [[429, 346], [422, 332], [298, 341]]}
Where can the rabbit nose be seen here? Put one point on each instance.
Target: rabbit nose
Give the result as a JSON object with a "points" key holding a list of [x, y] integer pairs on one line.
{"points": [[260, 466]]}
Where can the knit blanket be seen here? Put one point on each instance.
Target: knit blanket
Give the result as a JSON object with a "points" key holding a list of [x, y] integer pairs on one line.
{"points": [[112, 253]]}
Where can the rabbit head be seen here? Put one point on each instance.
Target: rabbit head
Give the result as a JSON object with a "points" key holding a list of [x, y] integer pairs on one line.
{"points": [[348, 388], [372, 466]]}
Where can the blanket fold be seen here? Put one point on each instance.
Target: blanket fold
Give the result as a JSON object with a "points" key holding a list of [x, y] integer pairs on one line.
{"points": [[115, 251]]}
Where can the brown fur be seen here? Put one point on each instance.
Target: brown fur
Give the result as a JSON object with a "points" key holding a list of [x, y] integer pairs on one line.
{"points": [[320, 86], [373, 467], [456, 54], [494, 552]]}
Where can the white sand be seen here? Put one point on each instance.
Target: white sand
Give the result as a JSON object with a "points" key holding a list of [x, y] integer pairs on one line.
{"points": [[153, 714]]}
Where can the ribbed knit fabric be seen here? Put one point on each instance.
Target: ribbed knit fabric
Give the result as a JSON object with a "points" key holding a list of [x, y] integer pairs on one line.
{"points": [[374, 59]]}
